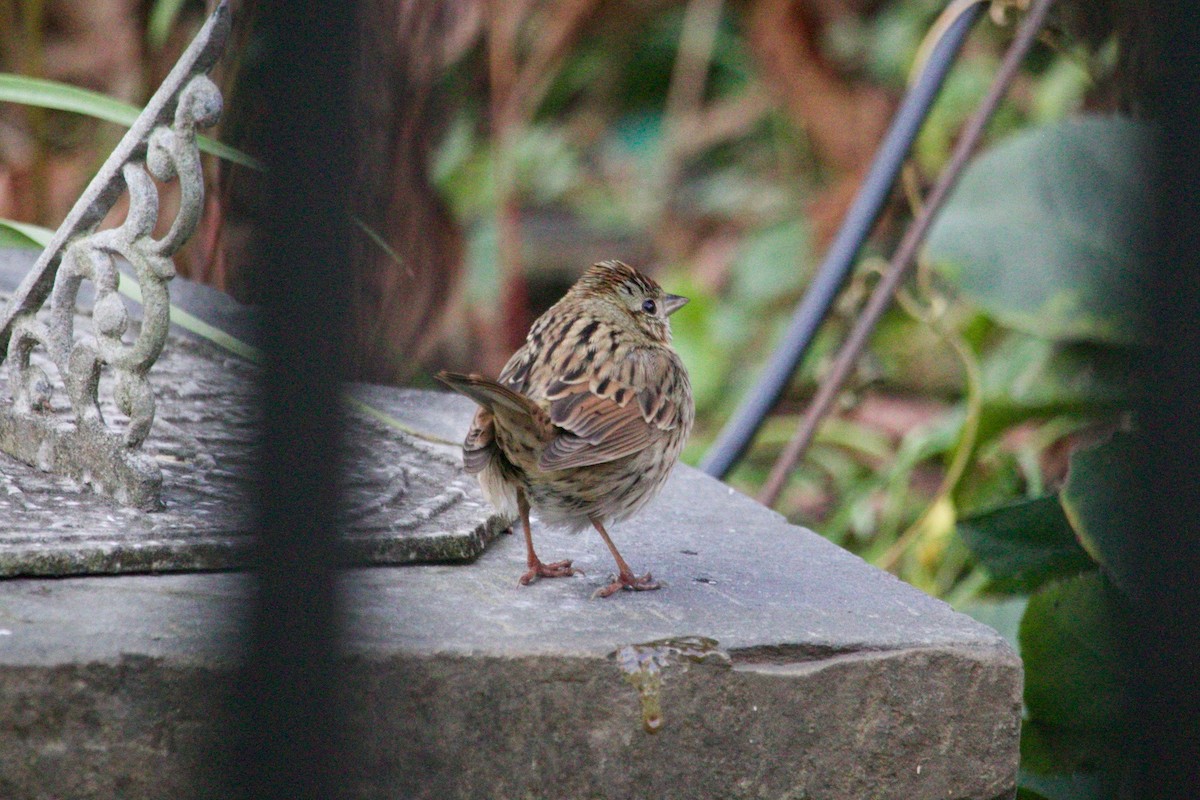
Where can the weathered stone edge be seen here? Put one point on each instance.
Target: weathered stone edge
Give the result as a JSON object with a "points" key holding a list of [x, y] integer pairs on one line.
{"points": [[210, 552], [126, 709]]}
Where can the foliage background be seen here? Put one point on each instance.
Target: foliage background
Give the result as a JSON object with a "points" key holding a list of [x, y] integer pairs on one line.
{"points": [[718, 144]]}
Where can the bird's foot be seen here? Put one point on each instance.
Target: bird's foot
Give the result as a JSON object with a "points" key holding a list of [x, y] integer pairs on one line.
{"points": [[635, 583], [556, 569]]}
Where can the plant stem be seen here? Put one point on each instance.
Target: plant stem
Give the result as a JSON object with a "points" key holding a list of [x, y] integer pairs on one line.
{"points": [[33, 21], [904, 256], [685, 94]]}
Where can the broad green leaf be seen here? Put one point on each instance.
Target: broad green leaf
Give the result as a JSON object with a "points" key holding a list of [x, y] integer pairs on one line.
{"points": [[1033, 372], [1096, 498], [1043, 230], [1064, 755], [1069, 643], [44, 93], [1025, 544]]}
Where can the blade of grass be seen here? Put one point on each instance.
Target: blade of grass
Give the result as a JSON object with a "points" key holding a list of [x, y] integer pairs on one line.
{"points": [[378, 239], [43, 93], [23, 234], [128, 286]]}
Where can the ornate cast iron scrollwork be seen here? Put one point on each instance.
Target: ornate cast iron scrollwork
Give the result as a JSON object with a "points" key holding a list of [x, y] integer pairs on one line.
{"points": [[160, 145]]}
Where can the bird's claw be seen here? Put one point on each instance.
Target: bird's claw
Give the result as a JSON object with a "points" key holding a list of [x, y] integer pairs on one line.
{"points": [[557, 569], [634, 583]]}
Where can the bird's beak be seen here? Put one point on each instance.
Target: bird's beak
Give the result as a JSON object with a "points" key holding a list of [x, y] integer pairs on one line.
{"points": [[672, 303]]}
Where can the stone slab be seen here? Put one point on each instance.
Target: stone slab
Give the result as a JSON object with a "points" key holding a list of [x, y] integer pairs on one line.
{"points": [[771, 665], [407, 498], [785, 668]]}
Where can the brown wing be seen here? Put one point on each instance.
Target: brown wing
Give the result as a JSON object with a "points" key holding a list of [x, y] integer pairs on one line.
{"points": [[603, 418], [479, 446], [515, 374]]}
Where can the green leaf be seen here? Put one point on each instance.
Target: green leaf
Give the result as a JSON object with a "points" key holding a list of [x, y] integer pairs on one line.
{"points": [[43, 93], [1096, 499], [1060, 753], [39, 237], [1042, 230], [1029, 794], [64, 97], [1072, 786], [1073, 670], [24, 234], [1003, 616], [1032, 372], [1025, 544]]}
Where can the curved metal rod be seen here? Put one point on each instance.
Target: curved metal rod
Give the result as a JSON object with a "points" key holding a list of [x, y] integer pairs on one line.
{"points": [[739, 431], [906, 252]]}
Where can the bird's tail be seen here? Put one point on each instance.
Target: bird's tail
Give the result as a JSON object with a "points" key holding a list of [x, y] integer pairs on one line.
{"points": [[491, 395]]}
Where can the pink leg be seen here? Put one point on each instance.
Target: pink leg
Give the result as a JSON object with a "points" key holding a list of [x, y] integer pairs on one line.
{"points": [[625, 577], [557, 569]]}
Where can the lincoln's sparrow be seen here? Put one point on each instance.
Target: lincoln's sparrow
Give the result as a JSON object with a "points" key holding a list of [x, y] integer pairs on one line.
{"points": [[588, 417]]}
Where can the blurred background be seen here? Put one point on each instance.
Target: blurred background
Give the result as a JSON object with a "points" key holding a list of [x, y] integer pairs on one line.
{"points": [[717, 145]]}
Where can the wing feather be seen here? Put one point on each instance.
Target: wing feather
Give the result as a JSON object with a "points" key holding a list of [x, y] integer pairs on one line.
{"points": [[602, 418], [479, 447]]}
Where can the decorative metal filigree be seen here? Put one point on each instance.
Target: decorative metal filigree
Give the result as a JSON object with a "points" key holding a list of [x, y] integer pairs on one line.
{"points": [[161, 145]]}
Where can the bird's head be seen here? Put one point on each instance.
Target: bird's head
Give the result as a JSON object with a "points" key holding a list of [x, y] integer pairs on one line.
{"points": [[638, 296]]}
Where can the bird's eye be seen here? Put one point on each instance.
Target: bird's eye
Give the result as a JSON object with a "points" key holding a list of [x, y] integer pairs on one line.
{"points": [[650, 307]]}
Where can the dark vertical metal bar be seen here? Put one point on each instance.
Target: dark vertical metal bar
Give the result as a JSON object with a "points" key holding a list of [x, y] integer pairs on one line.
{"points": [[291, 718], [739, 432], [1163, 646]]}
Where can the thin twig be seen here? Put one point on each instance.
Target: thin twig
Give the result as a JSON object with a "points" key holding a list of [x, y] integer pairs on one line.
{"points": [[504, 24], [797, 339], [902, 260], [518, 88], [559, 30], [968, 436], [719, 121], [685, 94]]}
